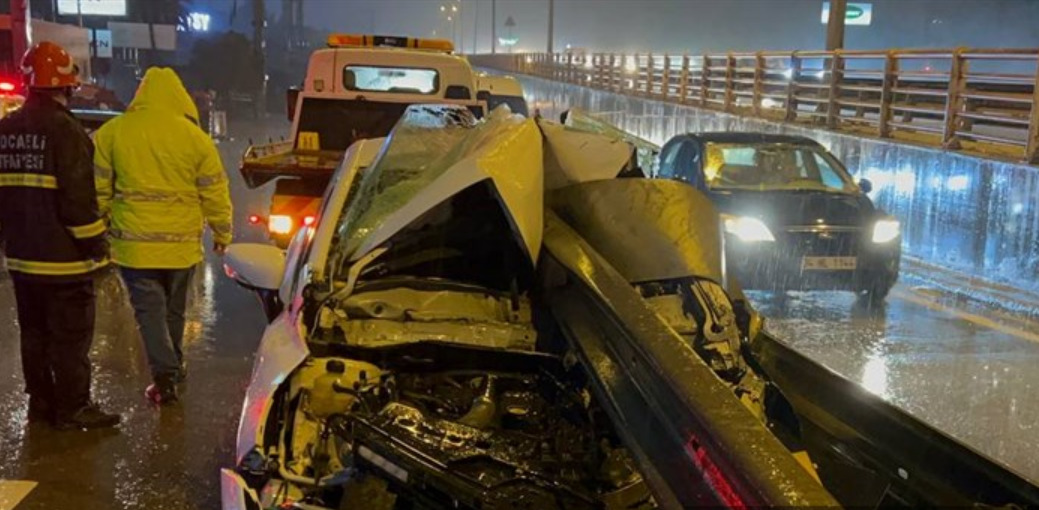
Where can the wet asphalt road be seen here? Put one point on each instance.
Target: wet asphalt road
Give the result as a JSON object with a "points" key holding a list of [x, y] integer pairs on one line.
{"points": [[975, 382], [166, 460], [973, 375]]}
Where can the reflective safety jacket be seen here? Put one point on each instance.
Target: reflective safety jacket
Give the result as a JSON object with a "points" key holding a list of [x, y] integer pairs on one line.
{"points": [[49, 220], [160, 179]]}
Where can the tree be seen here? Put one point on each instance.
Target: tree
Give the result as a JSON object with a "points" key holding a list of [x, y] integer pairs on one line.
{"points": [[225, 64]]}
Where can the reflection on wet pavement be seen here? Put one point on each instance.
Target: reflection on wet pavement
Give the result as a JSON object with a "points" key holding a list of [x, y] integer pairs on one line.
{"points": [[166, 460], [971, 381], [976, 383]]}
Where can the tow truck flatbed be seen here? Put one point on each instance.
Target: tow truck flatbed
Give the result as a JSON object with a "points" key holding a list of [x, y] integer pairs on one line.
{"points": [[264, 163]]}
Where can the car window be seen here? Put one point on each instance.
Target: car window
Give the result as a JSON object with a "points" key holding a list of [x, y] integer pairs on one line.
{"points": [[774, 166], [402, 80], [667, 161], [827, 174]]}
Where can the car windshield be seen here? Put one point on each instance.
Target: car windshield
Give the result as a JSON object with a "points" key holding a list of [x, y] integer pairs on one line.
{"points": [[401, 80], [774, 166]]}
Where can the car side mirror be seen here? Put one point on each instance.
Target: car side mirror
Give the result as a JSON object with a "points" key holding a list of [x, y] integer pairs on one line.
{"points": [[865, 185], [260, 268]]}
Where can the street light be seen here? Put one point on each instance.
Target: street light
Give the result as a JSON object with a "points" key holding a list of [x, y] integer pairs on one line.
{"points": [[452, 16]]}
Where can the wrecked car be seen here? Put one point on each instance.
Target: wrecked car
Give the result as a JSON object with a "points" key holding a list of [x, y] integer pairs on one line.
{"points": [[484, 316]]}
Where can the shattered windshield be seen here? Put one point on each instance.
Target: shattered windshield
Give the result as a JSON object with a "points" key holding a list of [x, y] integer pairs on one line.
{"points": [[426, 143], [773, 166]]}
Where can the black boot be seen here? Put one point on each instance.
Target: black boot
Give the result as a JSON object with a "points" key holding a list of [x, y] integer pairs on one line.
{"points": [[87, 417], [40, 411]]}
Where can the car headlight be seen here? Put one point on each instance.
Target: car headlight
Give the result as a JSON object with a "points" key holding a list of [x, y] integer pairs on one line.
{"points": [[748, 229], [885, 231]]}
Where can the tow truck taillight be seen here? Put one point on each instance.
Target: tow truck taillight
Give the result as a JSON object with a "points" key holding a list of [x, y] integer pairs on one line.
{"points": [[279, 224], [308, 221]]}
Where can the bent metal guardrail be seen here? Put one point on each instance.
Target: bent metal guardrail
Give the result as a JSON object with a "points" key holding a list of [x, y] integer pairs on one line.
{"points": [[975, 100]]}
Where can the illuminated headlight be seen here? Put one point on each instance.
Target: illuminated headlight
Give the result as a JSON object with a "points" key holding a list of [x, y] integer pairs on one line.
{"points": [[278, 224], [885, 231], [748, 229]]}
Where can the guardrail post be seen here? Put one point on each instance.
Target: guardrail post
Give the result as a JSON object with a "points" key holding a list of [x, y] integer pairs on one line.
{"points": [[730, 86], [705, 79], [683, 80], [791, 89], [833, 109], [665, 89], [610, 70], [650, 74], [890, 77], [570, 76], [633, 81], [953, 102], [1032, 148], [759, 76]]}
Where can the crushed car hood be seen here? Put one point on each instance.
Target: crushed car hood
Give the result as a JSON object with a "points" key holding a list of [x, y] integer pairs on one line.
{"points": [[435, 153]]}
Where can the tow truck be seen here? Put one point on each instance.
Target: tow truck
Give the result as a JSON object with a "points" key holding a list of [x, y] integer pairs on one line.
{"points": [[356, 88]]}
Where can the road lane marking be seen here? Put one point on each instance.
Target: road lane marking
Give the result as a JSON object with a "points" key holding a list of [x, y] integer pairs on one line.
{"points": [[13, 492], [919, 299]]}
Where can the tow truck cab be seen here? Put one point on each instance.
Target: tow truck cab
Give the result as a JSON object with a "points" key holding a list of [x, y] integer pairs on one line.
{"points": [[357, 88], [498, 90]]}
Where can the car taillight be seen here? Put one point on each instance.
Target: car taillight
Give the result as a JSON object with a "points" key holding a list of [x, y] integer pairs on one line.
{"points": [[6, 86], [308, 221], [279, 224], [255, 219]]}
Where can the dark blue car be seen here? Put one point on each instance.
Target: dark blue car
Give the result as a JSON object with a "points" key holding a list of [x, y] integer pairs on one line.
{"points": [[794, 218]]}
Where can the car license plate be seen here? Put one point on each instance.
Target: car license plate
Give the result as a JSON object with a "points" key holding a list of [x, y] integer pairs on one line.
{"points": [[829, 263]]}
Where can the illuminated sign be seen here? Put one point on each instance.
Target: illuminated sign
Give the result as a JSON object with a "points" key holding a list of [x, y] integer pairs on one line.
{"points": [[857, 14], [102, 40], [508, 41], [92, 7], [195, 22]]}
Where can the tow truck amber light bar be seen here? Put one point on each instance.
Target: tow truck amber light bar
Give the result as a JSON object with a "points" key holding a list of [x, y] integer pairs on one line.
{"points": [[374, 41]]}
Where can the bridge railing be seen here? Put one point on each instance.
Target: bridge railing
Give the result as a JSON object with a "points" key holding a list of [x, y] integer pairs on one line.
{"points": [[976, 100]]}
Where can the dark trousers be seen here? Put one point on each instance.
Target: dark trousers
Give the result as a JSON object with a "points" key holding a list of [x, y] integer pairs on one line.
{"points": [[159, 298], [57, 328]]}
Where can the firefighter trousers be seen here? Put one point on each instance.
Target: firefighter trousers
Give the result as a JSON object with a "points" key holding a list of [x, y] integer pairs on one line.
{"points": [[57, 329]]}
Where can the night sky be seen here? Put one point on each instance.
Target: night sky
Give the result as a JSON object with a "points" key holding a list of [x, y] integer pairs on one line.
{"points": [[674, 25]]}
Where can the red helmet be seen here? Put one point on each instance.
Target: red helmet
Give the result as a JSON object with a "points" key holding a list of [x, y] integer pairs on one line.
{"points": [[48, 66]]}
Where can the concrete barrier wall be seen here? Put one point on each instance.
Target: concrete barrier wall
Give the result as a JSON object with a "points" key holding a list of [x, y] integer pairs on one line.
{"points": [[971, 214]]}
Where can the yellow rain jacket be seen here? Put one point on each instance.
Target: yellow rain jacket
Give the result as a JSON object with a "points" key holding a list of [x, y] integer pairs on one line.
{"points": [[160, 179]]}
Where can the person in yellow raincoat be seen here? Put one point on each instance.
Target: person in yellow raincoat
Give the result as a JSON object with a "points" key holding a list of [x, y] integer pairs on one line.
{"points": [[160, 181]]}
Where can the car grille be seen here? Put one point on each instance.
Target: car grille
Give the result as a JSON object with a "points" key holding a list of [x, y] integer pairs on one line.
{"points": [[822, 242]]}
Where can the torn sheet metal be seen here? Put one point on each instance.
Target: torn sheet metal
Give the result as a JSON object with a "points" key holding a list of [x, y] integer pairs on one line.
{"points": [[649, 229], [434, 153]]}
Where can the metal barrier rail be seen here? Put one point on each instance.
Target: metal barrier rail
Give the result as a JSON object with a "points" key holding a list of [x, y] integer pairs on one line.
{"points": [[977, 100]]}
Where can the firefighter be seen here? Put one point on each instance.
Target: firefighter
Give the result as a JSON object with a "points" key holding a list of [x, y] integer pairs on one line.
{"points": [[54, 240], [160, 180]]}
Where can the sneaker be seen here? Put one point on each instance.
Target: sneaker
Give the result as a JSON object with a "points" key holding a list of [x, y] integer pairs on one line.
{"points": [[40, 411], [162, 394], [88, 417]]}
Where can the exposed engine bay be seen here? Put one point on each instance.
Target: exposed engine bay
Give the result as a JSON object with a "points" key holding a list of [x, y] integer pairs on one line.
{"points": [[444, 424]]}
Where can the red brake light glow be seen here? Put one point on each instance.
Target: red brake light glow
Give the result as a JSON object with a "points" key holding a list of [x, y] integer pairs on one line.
{"points": [[6, 86], [308, 220], [254, 219]]}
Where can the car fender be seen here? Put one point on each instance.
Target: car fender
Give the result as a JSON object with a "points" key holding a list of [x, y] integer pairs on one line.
{"points": [[236, 494], [281, 350]]}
